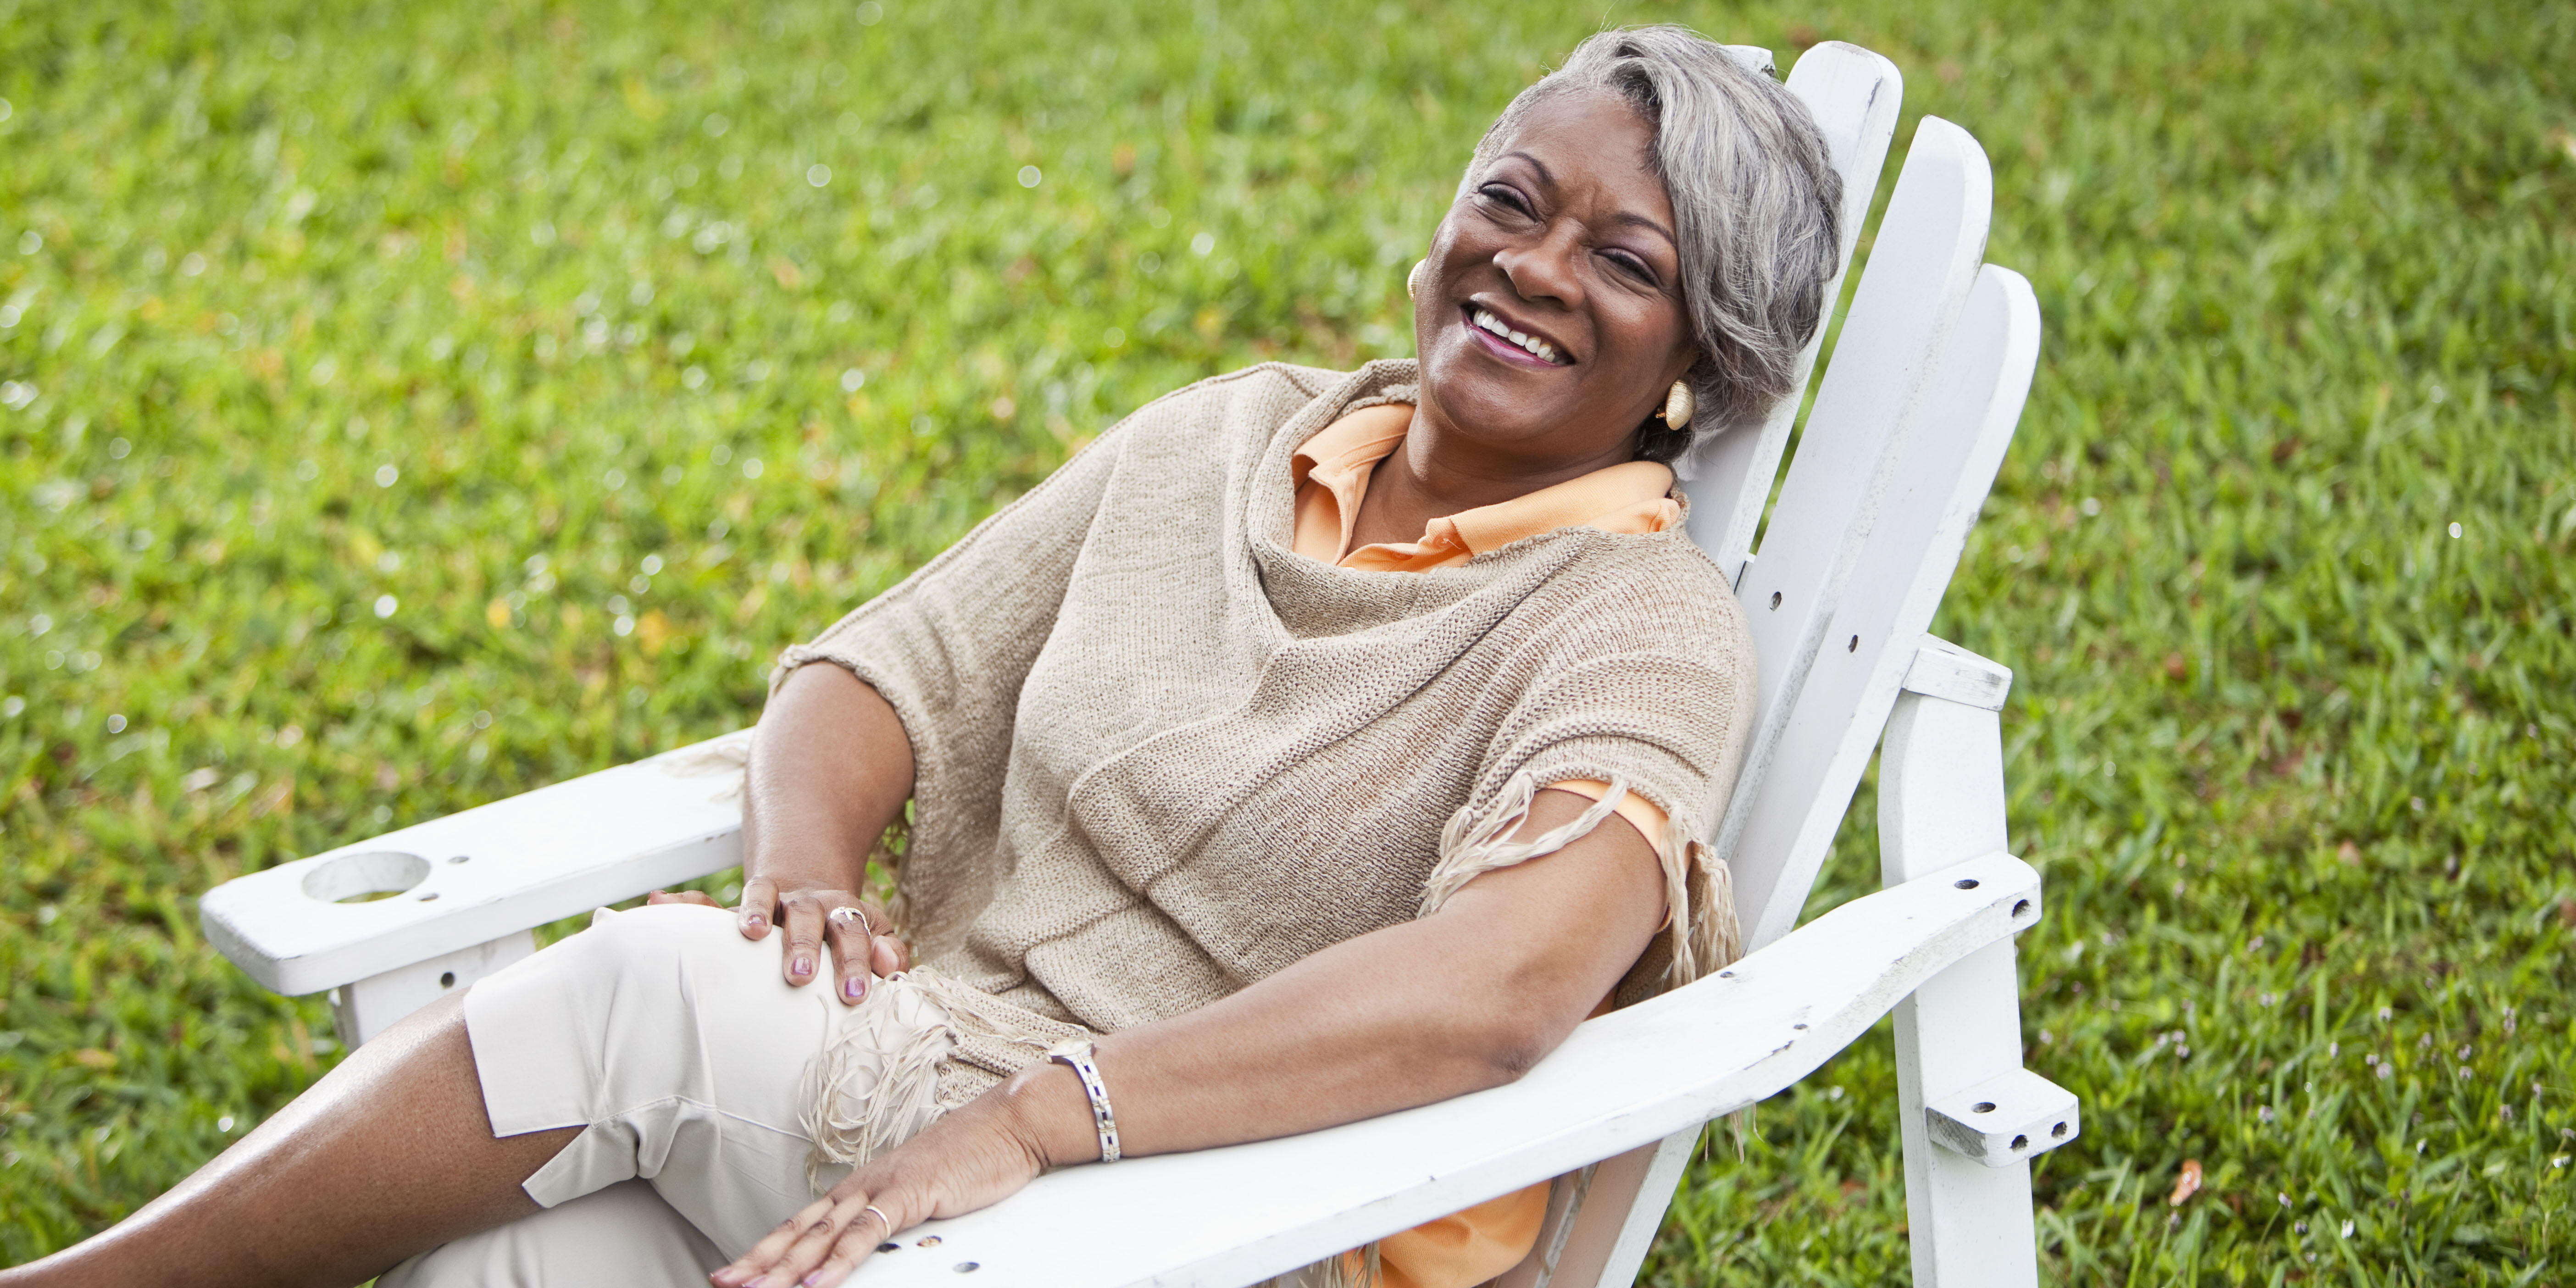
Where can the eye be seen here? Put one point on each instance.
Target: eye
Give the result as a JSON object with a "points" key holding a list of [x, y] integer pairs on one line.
{"points": [[1503, 196], [1634, 267]]}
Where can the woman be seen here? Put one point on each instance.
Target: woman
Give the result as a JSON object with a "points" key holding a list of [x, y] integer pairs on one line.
{"points": [[1263, 761]]}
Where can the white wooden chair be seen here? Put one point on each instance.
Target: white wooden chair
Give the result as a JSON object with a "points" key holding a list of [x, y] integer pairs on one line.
{"points": [[1905, 437]]}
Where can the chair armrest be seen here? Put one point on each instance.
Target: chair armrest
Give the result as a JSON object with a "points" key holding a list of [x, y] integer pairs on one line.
{"points": [[473, 877], [1246, 1212]]}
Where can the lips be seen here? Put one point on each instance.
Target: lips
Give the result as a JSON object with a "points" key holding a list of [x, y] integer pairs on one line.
{"points": [[1513, 342]]}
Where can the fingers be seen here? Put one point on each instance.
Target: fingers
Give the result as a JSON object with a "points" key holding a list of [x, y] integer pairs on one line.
{"points": [[868, 1227], [765, 1255], [854, 1247], [819, 1246], [888, 955], [851, 938], [759, 904], [802, 919]]}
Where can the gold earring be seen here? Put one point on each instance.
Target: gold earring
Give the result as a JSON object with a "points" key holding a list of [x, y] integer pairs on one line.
{"points": [[1677, 406], [1413, 280]]}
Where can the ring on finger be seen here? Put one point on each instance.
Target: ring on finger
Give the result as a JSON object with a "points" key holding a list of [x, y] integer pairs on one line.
{"points": [[871, 1210], [845, 914]]}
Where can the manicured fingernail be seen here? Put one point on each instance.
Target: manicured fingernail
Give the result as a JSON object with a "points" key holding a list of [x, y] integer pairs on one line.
{"points": [[756, 922], [801, 966], [855, 988]]}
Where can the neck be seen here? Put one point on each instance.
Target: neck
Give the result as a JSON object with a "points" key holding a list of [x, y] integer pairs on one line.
{"points": [[1438, 471]]}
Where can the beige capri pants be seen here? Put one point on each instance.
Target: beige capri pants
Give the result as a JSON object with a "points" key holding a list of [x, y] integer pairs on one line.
{"points": [[674, 1043]]}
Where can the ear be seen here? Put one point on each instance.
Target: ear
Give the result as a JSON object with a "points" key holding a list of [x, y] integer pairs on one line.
{"points": [[1685, 357], [1686, 350]]}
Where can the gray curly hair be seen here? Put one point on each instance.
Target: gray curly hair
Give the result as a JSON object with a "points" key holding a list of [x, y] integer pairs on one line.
{"points": [[1755, 201]]}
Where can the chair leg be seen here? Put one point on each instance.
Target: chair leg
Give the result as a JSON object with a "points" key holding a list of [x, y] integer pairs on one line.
{"points": [[1970, 1224], [1941, 801]]}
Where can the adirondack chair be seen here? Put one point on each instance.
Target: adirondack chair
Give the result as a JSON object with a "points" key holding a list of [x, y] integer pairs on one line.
{"points": [[1907, 431]]}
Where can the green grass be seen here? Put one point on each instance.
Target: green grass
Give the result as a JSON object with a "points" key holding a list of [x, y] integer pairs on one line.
{"points": [[492, 309]]}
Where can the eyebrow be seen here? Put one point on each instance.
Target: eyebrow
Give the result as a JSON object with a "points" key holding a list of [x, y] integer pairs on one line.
{"points": [[1624, 217]]}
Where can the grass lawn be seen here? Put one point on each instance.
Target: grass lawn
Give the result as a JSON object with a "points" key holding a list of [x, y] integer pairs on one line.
{"points": [[408, 405]]}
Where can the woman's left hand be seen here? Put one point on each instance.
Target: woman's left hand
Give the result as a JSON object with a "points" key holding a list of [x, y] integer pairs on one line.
{"points": [[862, 946], [973, 1158]]}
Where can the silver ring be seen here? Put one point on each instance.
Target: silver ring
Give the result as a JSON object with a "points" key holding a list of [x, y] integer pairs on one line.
{"points": [[871, 1210], [845, 914]]}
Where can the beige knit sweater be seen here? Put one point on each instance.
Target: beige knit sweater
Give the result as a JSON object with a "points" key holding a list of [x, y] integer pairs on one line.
{"points": [[1160, 756]]}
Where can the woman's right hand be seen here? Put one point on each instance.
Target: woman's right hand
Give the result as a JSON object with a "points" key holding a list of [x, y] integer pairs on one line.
{"points": [[973, 1158], [813, 916]]}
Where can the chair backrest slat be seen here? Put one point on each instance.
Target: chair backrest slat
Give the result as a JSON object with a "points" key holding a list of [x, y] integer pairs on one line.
{"points": [[1853, 95], [1944, 468], [1922, 265]]}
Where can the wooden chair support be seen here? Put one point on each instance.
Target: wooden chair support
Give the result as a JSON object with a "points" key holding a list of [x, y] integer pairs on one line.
{"points": [[1973, 1118]]}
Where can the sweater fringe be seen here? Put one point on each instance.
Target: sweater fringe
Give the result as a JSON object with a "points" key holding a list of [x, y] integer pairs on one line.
{"points": [[1469, 848], [729, 754], [1699, 887], [1716, 938], [853, 1118]]}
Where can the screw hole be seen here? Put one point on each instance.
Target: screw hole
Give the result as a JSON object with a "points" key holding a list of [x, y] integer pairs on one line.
{"points": [[429, 896], [968, 1267], [1854, 646], [928, 1241], [2021, 1142], [1726, 974], [1800, 1027], [2021, 907], [1966, 883], [889, 1247], [447, 979], [2058, 1132], [1982, 1107], [460, 858], [1775, 599]]}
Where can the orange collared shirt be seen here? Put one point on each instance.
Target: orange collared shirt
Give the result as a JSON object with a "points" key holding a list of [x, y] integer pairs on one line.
{"points": [[1332, 474]]}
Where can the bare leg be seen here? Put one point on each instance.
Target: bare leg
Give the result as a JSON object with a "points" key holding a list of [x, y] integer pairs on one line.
{"points": [[389, 1155]]}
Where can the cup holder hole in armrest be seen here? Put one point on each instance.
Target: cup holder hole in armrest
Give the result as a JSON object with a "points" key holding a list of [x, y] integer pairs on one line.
{"points": [[363, 878]]}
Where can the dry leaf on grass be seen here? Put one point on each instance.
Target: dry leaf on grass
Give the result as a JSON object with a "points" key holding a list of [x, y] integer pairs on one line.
{"points": [[2186, 1184]]}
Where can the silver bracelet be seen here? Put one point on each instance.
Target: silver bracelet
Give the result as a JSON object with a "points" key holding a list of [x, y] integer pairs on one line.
{"points": [[1075, 1054]]}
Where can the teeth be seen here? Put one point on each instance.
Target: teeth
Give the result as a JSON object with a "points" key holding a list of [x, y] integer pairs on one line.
{"points": [[1487, 321]]}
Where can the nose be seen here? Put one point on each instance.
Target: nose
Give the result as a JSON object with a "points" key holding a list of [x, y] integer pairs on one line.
{"points": [[1545, 268]]}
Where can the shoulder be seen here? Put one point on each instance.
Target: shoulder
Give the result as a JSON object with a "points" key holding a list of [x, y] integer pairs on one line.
{"points": [[1641, 596], [1258, 401]]}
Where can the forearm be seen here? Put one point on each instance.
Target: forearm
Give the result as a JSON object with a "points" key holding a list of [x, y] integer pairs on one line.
{"points": [[1415, 1013], [1464, 999], [830, 768]]}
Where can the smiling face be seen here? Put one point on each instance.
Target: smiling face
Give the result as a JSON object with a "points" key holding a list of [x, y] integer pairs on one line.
{"points": [[1550, 320]]}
